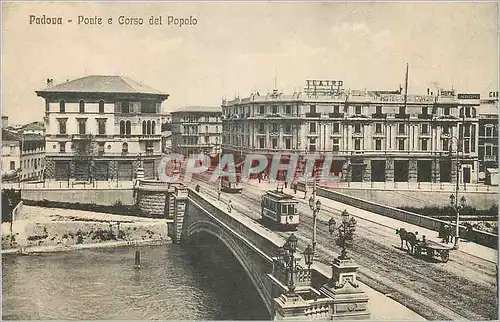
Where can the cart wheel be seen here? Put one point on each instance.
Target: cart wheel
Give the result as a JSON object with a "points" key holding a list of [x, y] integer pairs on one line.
{"points": [[445, 256]]}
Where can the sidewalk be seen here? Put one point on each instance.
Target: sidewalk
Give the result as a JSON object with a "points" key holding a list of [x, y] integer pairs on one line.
{"points": [[464, 246]]}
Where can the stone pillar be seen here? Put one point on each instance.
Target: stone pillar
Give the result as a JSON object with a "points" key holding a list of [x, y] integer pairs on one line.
{"points": [[389, 170], [290, 307], [453, 171], [346, 171], [436, 177], [113, 170], [140, 173], [72, 167], [180, 201], [349, 301], [412, 170], [367, 174], [170, 209], [50, 169]]}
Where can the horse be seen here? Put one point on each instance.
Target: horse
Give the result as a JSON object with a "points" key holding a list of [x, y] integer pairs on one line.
{"points": [[407, 236]]}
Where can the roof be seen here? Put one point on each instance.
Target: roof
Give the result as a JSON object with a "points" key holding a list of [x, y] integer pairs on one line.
{"points": [[489, 107], [10, 136], [166, 134], [102, 84], [198, 109], [34, 126], [278, 195]]}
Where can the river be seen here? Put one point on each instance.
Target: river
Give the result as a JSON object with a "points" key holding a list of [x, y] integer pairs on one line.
{"points": [[174, 282]]}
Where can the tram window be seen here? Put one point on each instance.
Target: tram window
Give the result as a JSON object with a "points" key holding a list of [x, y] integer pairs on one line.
{"points": [[283, 209]]}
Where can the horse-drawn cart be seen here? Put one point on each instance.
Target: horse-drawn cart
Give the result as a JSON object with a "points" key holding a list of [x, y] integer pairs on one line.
{"points": [[431, 249]]}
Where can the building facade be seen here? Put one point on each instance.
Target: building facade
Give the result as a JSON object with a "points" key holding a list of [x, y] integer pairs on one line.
{"points": [[197, 130], [373, 135], [488, 133], [102, 128], [23, 154]]}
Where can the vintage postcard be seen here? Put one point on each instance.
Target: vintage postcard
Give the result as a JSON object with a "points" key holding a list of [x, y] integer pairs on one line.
{"points": [[250, 160]]}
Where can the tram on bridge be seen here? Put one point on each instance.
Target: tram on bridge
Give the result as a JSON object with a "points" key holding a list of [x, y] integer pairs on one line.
{"points": [[231, 187], [279, 210]]}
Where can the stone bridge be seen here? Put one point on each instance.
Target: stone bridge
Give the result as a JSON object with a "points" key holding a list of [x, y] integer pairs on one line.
{"points": [[331, 293]]}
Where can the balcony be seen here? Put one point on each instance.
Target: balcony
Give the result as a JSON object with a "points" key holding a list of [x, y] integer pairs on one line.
{"points": [[81, 137], [425, 116], [402, 116], [313, 115], [379, 115], [336, 115], [490, 158], [149, 137]]}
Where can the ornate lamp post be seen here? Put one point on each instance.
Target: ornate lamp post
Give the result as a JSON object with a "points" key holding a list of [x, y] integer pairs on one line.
{"points": [[458, 207], [315, 206], [286, 254], [345, 231]]}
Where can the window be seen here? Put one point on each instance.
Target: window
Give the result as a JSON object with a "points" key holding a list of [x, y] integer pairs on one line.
{"points": [[262, 144], [62, 147], [336, 145], [82, 106], [466, 146], [423, 145], [144, 128], [288, 128], [446, 111], [216, 129], [153, 125], [275, 128], [275, 143], [425, 128], [467, 130], [101, 106], [312, 109], [446, 129], [402, 110], [122, 127], [62, 126], [358, 110], [312, 127], [288, 109], [275, 109], [488, 131], [378, 128], [207, 139], [148, 127], [288, 143], [401, 128], [467, 111], [82, 127], [100, 149], [126, 107], [445, 145], [13, 165], [336, 127], [262, 109], [128, 127], [378, 110], [336, 109], [425, 110], [378, 145], [357, 128], [101, 127], [357, 144], [401, 144], [487, 149], [125, 147], [312, 147], [261, 128], [62, 106]]}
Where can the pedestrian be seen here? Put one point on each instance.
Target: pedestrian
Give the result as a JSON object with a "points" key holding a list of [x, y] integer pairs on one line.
{"points": [[286, 184], [197, 188], [229, 206], [260, 177], [295, 188]]}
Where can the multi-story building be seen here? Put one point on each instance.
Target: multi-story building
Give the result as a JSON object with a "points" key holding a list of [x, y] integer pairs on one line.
{"points": [[23, 154], [373, 135], [197, 130], [102, 128], [33, 128], [488, 133]]}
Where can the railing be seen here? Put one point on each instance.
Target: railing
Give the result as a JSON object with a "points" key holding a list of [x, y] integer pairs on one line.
{"points": [[402, 116], [379, 115], [335, 115], [490, 158], [316, 115], [425, 116]]}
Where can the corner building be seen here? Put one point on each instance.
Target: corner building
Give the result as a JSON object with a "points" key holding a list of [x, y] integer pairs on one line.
{"points": [[102, 128], [373, 135]]}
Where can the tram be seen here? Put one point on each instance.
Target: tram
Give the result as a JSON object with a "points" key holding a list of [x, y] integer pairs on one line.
{"points": [[279, 210], [231, 187]]}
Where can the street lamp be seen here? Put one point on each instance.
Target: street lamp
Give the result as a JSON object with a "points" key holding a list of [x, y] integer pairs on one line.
{"points": [[458, 207], [315, 206], [345, 231], [308, 256]]}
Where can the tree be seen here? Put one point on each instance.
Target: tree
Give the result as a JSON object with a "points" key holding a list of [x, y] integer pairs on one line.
{"points": [[85, 151]]}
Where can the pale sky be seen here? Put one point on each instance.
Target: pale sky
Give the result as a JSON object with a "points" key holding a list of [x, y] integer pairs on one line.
{"points": [[237, 48]]}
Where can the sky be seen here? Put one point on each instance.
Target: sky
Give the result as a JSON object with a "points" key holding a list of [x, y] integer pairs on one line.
{"points": [[239, 48]]}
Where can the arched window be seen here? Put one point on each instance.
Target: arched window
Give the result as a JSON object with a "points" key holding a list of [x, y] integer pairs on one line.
{"points": [[101, 106], [473, 112], [461, 112], [82, 106], [144, 127], [153, 127], [128, 128], [149, 127], [62, 106], [122, 127], [125, 147]]}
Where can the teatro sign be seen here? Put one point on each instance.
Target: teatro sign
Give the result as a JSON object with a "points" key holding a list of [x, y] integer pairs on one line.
{"points": [[323, 87]]}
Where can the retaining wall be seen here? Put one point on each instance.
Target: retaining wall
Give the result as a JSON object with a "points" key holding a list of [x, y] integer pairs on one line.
{"points": [[480, 237], [105, 197]]}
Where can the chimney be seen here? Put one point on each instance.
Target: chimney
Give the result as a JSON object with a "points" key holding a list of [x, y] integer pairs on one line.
{"points": [[5, 121], [428, 91], [50, 82]]}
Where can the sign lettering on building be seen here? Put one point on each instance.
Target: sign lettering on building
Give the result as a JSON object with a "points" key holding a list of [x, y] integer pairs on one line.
{"points": [[410, 98], [447, 93], [323, 87], [469, 96]]}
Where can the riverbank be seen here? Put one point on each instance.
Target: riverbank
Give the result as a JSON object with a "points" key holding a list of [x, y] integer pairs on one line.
{"points": [[58, 248], [39, 229]]}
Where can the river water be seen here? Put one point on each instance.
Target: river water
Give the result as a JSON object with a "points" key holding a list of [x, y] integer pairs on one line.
{"points": [[174, 282]]}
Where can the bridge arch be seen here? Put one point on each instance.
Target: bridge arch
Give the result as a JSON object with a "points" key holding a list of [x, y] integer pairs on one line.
{"points": [[238, 251]]}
